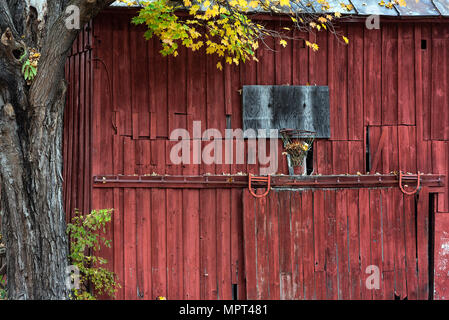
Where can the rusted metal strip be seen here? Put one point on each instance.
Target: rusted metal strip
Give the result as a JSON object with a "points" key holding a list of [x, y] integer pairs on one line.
{"points": [[418, 182], [253, 178], [279, 181]]}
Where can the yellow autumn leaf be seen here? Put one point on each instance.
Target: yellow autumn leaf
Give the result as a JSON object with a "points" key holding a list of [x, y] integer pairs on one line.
{"points": [[322, 19], [253, 4], [283, 43], [243, 3], [346, 40]]}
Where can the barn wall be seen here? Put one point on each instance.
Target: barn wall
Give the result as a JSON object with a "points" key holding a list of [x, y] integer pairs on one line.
{"points": [[189, 243], [381, 83], [77, 172], [324, 243]]}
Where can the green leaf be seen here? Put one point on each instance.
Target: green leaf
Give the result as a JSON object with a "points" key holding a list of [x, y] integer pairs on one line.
{"points": [[27, 73]]}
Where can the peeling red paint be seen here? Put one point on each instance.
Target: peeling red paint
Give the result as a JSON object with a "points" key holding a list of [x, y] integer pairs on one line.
{"points": [[441, 256]]}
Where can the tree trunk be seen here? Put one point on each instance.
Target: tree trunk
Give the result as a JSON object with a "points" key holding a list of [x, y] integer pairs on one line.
{"points": [[31, 128], [33, 218]]}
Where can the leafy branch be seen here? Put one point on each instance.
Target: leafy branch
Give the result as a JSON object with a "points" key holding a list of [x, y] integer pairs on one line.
{"points": [[231, 28], [86, 240], [29, 67]]}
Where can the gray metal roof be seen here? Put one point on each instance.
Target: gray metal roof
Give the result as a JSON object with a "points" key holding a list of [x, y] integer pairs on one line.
{"points": [[422, 8]]}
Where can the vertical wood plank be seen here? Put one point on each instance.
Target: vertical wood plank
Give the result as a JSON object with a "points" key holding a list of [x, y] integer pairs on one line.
{"points": [[426, 83], [406, 75], [76, 143], [354, 245], [82, 147], [174, 205], [340, 161], [319, 62], [237, 243], [388, 244], [355, 83], [283, 61], [356, 155], [249, 227], [129, 221], [399, 262], [441, 256], [297, 246], [158, 74], [158, 239], [338, 87], [310, 287], [208, 245], [285, 243], [196, 104], [324, 156], [140, 79], [121, 65], [342, 244], [422, 213], [331, 245], [273, 244], [300, 63], [140, 243], [372, 83], [224, 244], [319, 224], [376, 216], [191, 244], [146, 247], [266, 74], [407, 148], [365, 240], [410, 247], [390, 74], [262, 272], [439, 96], [440, 160], [118, 216]]}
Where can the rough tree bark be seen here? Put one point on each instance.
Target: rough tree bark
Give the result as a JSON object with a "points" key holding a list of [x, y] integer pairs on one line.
{"points": [[31, 120]]}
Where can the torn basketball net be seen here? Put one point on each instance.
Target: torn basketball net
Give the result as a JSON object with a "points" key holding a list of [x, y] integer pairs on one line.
{"points": [[297, 143]]}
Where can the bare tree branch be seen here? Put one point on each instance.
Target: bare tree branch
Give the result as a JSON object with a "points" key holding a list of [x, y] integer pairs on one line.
{"points": [[56, 47], [17, 9], [6, 20]]}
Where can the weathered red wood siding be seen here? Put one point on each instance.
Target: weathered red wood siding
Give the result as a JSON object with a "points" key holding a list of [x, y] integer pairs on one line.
{"points": [[190, 243], [77, 173], [317, 244]]}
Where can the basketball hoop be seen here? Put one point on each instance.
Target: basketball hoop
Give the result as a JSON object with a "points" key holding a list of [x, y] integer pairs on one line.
{"points": [[297, 143]]}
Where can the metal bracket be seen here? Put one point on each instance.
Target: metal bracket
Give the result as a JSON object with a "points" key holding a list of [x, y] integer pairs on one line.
{"points": [[412, 176], [266, 179]]}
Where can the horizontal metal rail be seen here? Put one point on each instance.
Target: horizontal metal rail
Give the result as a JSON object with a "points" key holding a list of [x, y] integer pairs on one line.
{"points": [[277, 181]]}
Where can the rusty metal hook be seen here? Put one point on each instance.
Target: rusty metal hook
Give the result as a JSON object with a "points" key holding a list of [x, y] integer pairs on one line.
{"points": [[266, 179], [417, 184]]}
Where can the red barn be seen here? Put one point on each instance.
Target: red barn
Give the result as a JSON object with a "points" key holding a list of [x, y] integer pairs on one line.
{"points": [[194, 231]]}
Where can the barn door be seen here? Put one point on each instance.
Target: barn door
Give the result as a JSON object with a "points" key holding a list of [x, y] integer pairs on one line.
{"points": [[320, 244]]}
